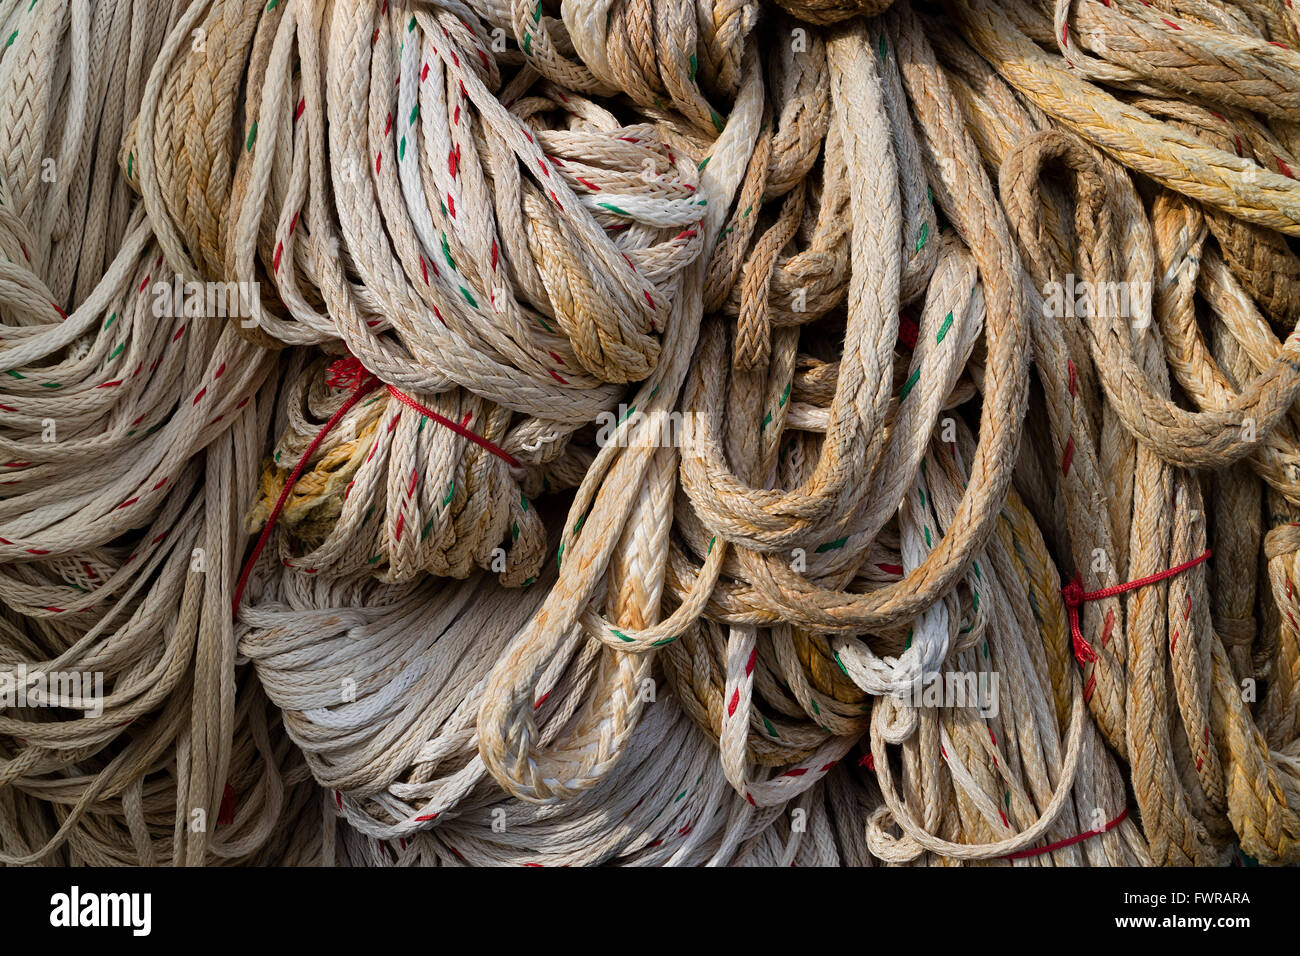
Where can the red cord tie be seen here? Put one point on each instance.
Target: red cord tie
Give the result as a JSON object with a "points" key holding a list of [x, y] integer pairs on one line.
{"points": [[1062, 844], [1075, 595], [349, 373], [457, 427]]}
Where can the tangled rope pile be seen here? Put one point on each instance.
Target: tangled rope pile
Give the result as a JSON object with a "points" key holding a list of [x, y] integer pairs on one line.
{"points": [[649, 432]]}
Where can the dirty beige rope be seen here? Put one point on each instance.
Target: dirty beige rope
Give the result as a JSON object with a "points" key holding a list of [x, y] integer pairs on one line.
{"points": [[1159, 150], [788, 591], [1227, 772]]}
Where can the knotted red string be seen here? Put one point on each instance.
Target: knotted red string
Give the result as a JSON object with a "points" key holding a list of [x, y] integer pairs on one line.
{"points": [[349, 373], [346, 373], [1075, 595]]}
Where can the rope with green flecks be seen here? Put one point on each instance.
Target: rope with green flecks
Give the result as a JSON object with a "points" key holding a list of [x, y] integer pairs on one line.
{"points": [[670, 439]]}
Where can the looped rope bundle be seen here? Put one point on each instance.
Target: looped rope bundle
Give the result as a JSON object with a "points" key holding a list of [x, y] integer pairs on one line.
{"points": [[544, 275], [1165, 658], [726, 646], [131, 431]]}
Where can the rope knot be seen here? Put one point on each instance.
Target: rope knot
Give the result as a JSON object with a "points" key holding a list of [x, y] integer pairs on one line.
{"points": [[1074, 596], [348, 373]]}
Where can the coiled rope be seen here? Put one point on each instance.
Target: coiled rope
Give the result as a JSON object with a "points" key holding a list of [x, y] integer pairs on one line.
{"points": [[650, 432]]}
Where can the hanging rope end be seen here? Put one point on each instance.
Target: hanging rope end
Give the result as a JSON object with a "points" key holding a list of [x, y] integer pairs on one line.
{"points": [[1074, 596]]}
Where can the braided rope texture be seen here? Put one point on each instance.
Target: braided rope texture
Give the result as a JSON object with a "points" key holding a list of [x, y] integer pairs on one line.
{"points": [[649, 432]]}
